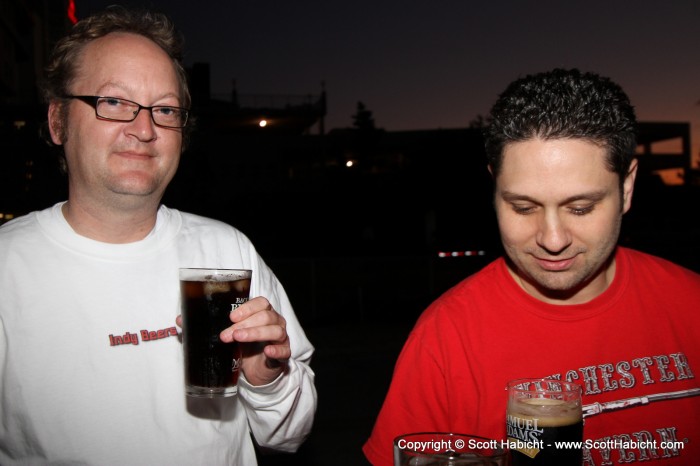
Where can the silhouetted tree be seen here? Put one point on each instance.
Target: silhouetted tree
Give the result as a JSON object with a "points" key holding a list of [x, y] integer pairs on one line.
{"points": [[363, 120], [478, 122]]}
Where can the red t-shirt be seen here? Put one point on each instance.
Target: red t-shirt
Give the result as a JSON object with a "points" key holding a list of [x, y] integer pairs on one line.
{"points": [[638, 340]]}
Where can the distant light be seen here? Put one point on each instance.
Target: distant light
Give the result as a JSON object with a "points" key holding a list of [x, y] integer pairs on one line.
{"points": [[19, 124], [461, 253], [263, 123], [349, 163]]}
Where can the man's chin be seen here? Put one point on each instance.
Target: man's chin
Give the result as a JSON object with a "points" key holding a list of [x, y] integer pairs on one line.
{"points": [[134, 186], [562, 287], [548, 285]]}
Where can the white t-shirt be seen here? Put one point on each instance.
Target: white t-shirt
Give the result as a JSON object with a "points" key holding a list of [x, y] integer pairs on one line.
{"points": [[91, 364]]}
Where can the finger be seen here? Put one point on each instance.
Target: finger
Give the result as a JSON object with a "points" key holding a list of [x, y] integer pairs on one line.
{"points": [[258, 320], [268, 326], [178, 321], [261, 319], [271, 333], [249, 308], [278, 352]]}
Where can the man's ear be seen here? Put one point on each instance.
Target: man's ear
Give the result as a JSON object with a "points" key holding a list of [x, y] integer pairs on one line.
{"points": [[628, 186], [490, 169], [56, 120]]}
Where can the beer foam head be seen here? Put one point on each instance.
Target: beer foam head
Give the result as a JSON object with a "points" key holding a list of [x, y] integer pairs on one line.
{"points": [[241, 285], [216, 280], [550, 412], [211, 287]]}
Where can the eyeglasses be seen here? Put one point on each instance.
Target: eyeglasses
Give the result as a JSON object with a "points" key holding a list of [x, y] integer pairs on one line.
{"points": [[116, 109]]}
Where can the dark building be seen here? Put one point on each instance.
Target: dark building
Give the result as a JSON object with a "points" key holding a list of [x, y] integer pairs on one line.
{"points": [[28, 171], [268, 165]]}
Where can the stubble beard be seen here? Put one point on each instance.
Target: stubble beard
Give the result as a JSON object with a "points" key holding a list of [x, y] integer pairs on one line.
{"points": [[561, 285]]}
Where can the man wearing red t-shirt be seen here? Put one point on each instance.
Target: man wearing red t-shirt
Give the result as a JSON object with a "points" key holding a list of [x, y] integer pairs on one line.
{"points": [[566, 302]]}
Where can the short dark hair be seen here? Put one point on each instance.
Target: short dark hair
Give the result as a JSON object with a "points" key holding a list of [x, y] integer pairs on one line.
{"points": [[63, 62], [564, 104]]}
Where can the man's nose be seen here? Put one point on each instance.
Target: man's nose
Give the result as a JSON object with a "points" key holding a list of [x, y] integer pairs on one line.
{"points": [[143, 127], [553, 234]]}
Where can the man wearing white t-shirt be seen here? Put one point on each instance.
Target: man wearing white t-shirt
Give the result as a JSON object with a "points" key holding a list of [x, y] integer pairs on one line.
{"points": [[90, 359]]}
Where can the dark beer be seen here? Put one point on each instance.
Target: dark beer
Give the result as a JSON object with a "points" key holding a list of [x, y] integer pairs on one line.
{"points": [[211, 366], [447, 449], [544, 424]]}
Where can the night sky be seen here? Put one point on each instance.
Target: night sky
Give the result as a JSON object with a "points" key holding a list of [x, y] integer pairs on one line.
{"points": [[426, 65]]}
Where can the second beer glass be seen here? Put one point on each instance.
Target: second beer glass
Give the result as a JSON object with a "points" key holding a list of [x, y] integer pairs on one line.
{"points": [[541, 413], [447, 449]]}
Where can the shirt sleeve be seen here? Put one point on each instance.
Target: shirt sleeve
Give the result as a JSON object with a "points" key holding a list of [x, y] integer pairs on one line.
{"points": [[280, 414], [416, 400]]}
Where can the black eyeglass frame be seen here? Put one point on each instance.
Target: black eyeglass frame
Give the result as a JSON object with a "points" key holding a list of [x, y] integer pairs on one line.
{"points": [[92, 100]]}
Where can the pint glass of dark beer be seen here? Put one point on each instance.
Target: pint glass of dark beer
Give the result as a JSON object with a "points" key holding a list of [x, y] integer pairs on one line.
{"points": [[207, 298], [544, 420], [447, 449]]}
